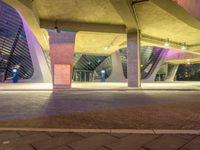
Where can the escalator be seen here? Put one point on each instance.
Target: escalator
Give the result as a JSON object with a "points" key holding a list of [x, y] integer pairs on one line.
{"points": [[152, 64], [150, 61], [146, 53]]}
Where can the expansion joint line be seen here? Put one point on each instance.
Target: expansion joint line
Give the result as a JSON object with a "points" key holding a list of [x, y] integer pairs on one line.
{"points": [[138, 1], [133, 3], [188, 142]]}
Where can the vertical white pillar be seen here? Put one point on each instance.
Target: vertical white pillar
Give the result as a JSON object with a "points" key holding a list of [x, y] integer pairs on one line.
{"points": [[133, 57], [117, 74]]}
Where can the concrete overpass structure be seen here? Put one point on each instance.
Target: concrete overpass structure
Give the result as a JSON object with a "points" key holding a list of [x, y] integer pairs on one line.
{"points": [[103, 27]]}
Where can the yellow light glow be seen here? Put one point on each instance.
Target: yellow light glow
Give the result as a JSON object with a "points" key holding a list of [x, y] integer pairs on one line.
{"points": [[105, 48], [188, 61], [167, 44]]}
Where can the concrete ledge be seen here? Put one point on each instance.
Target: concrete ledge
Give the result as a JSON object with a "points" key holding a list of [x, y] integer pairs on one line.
{"points": [[131, 131], [177, 132], [132, 89], [176, 86]]}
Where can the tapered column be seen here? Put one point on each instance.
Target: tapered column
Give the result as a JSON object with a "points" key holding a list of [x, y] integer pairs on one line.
{"points": [[117, 74], [172, 72], [133, 57], [62, 57]]}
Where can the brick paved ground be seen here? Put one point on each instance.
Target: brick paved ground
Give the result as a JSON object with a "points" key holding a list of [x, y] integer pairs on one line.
{"points": [[21, 140], [101, 109], [29, 104]]}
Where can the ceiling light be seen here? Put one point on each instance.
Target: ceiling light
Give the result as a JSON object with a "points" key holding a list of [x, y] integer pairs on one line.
{"points": [[105, 48], [184, 47], [188, 61], [167, 44]]}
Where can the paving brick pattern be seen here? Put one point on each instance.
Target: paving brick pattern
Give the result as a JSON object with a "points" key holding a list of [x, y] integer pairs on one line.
{"points": [[96, 141]]}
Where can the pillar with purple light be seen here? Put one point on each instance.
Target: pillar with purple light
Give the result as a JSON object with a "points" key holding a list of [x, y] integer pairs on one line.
{"points": [[133, 60], [62, 57]]}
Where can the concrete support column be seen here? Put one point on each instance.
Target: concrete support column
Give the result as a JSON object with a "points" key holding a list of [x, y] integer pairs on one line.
{"points": [[172, 73], [133, 60], [117, 74], [62, 57]]}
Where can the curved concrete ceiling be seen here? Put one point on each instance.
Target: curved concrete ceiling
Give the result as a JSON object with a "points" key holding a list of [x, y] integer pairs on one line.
{"points": [[93, 11], [99, 43], [162, 19], [159, 23]]}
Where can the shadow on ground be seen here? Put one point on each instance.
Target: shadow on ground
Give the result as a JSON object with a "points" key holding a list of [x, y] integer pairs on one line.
{"points": [[183, 115]]}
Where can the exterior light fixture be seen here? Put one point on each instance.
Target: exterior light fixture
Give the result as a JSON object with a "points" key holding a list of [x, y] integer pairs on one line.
{"points": [[103, 75], [184, 47], [56, 27], [167, 44], [14, 70], [103, 71], [57, 30]]}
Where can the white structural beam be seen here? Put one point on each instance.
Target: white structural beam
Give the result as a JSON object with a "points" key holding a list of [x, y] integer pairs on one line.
{"points": [[81, 26]]}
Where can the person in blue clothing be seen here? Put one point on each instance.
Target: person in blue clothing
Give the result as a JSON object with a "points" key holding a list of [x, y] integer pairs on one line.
{"points": [[15, 75], [103, 75]]}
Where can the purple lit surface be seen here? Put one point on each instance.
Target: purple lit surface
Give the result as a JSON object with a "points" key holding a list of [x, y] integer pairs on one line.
{"points": [[173, 54]]}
